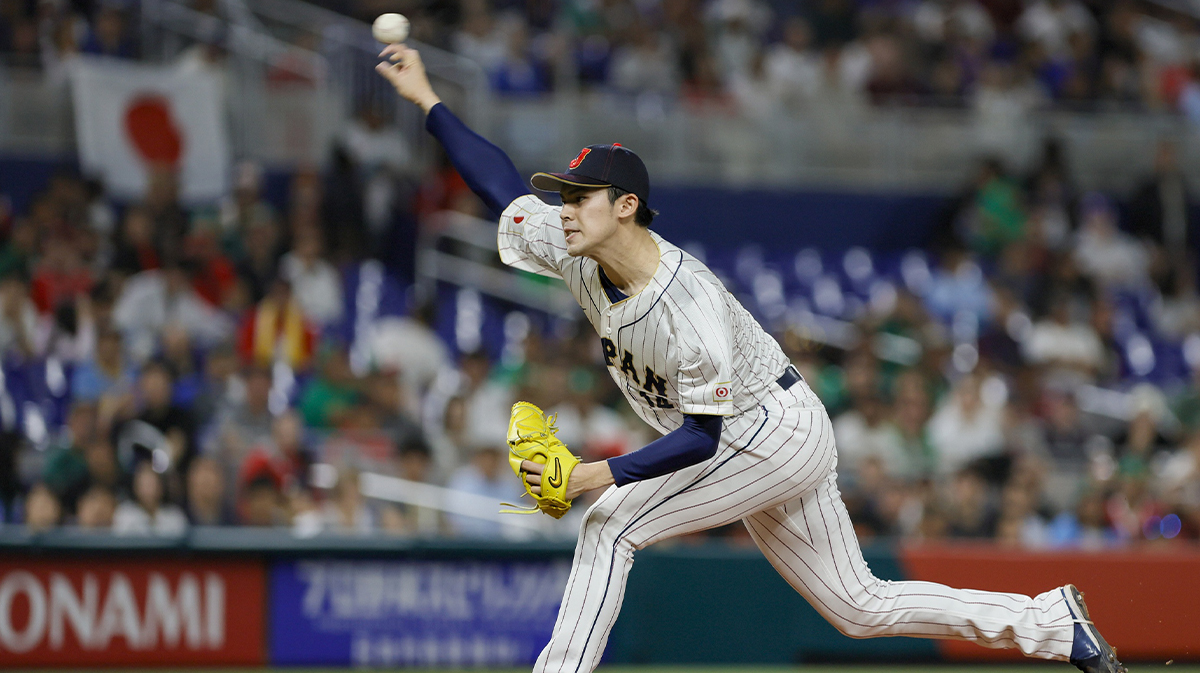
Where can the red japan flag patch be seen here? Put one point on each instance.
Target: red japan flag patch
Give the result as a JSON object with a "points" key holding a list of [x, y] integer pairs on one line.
{"points": [[722, 393]]}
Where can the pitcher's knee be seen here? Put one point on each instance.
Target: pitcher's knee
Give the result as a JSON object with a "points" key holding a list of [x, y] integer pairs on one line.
{"points": [[853, 630], [858, 624]]}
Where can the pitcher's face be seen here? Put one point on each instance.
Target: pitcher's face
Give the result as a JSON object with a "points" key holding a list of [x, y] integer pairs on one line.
{"points": [[588, 218]]}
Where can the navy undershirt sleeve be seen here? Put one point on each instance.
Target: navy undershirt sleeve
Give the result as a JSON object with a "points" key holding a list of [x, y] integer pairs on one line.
{"points": [[693, 442], [486, 169]]}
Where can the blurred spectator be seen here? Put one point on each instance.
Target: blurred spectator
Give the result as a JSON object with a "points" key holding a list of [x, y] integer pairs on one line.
{"points": [[42, 509], [383, 154], [488, 401], [910, 414], [177, 352], [480, 37], [107, 374], [1177, 313], [959, 288], [995, 216], [1052, 23], [1069, 349], [156, 431], [739, 25], [66, 470], [260, 500], [346, 510], [793, 67], [148, 513], [317, 286], [290, 451], [258, 259], [242, 425], [70, 334], [103, 470], [1143, 437], [17, 256], [595, 431], [96, 509], [937, 21], [151, 300], [864, 432], [1159, 213], [60, 276], [1110, 257], [1066, 435], [206, 502], [521, 71], [277, 330], [967, 426], [971, 510], [110, 35], [136, 250], [645, 64], [332, 393], [755, 94], [1019, 524], [212, 274], [487, 475], [388, 409], [834, 23], [409, 345], [413, 463], [448, 438], [218, 386], [18, 318], [245, 207]]}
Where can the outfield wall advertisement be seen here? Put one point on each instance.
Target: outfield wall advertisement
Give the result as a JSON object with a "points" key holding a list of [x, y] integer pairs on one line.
{"points": [[131, 611], [459, 607], [413, 613]]}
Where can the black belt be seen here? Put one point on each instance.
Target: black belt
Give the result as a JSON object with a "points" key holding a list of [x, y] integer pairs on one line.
{"points": [[790, 378]]}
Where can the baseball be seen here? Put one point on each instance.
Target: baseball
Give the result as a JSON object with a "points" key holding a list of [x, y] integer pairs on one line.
{"points": [[390, 28]]}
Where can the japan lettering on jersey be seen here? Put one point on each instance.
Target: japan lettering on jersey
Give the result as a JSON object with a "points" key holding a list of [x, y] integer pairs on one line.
{"points": [[683, 345]]}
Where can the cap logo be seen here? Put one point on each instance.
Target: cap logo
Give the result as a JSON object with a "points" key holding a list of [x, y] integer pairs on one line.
{"points": [[579, 159]]}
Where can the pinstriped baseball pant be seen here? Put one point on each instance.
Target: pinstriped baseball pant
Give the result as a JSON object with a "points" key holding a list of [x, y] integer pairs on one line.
{"points": [[775, 471]]}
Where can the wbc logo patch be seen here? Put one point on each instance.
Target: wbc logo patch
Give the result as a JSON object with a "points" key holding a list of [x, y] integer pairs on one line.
{"points": [[579, 159], [722, 393]]}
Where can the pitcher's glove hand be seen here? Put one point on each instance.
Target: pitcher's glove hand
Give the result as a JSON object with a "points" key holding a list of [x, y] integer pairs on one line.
{"points": [[531, 437]]}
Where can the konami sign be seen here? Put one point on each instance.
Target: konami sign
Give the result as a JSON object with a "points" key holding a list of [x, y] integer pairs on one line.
{"points": [[131, 612]]}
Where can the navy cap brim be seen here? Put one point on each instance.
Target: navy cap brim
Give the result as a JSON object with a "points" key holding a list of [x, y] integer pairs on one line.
{"points": [[553, 182]]}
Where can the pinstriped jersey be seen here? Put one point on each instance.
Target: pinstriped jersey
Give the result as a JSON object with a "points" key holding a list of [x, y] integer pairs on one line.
{"points": [[683, 345]]}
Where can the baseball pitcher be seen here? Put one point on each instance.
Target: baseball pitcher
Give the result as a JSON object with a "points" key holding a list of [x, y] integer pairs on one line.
{"points": [[744, 437]]}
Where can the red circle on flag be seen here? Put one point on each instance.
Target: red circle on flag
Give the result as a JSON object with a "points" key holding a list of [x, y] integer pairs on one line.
{"points": [[151, 127]]}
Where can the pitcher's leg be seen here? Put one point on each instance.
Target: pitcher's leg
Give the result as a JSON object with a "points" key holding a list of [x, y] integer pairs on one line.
{"points": [[812, 544], [603, 557], [767, 462]]}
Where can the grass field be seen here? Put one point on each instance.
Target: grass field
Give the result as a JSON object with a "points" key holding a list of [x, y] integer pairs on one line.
{"points": [[934, 668]]}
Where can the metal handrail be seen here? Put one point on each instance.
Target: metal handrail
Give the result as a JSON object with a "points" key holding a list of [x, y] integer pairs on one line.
{"points": [[478, 267]]}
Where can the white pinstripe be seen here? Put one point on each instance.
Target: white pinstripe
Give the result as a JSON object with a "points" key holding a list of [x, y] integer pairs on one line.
{"points": [[774, 470]]}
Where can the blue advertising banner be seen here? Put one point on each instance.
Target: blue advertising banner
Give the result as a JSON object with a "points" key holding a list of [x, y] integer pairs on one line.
{"points": [[413, 613]]}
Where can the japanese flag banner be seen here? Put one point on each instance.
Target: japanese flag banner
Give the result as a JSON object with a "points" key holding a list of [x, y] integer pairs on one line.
{"points": [[130, 118]]}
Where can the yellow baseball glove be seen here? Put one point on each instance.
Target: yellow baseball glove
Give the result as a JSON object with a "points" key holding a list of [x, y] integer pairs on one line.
{"points": [[531, 437]]}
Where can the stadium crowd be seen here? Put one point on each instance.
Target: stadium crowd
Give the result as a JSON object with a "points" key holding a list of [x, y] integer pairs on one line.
{"points": [[168, 367], [760, 57]]}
